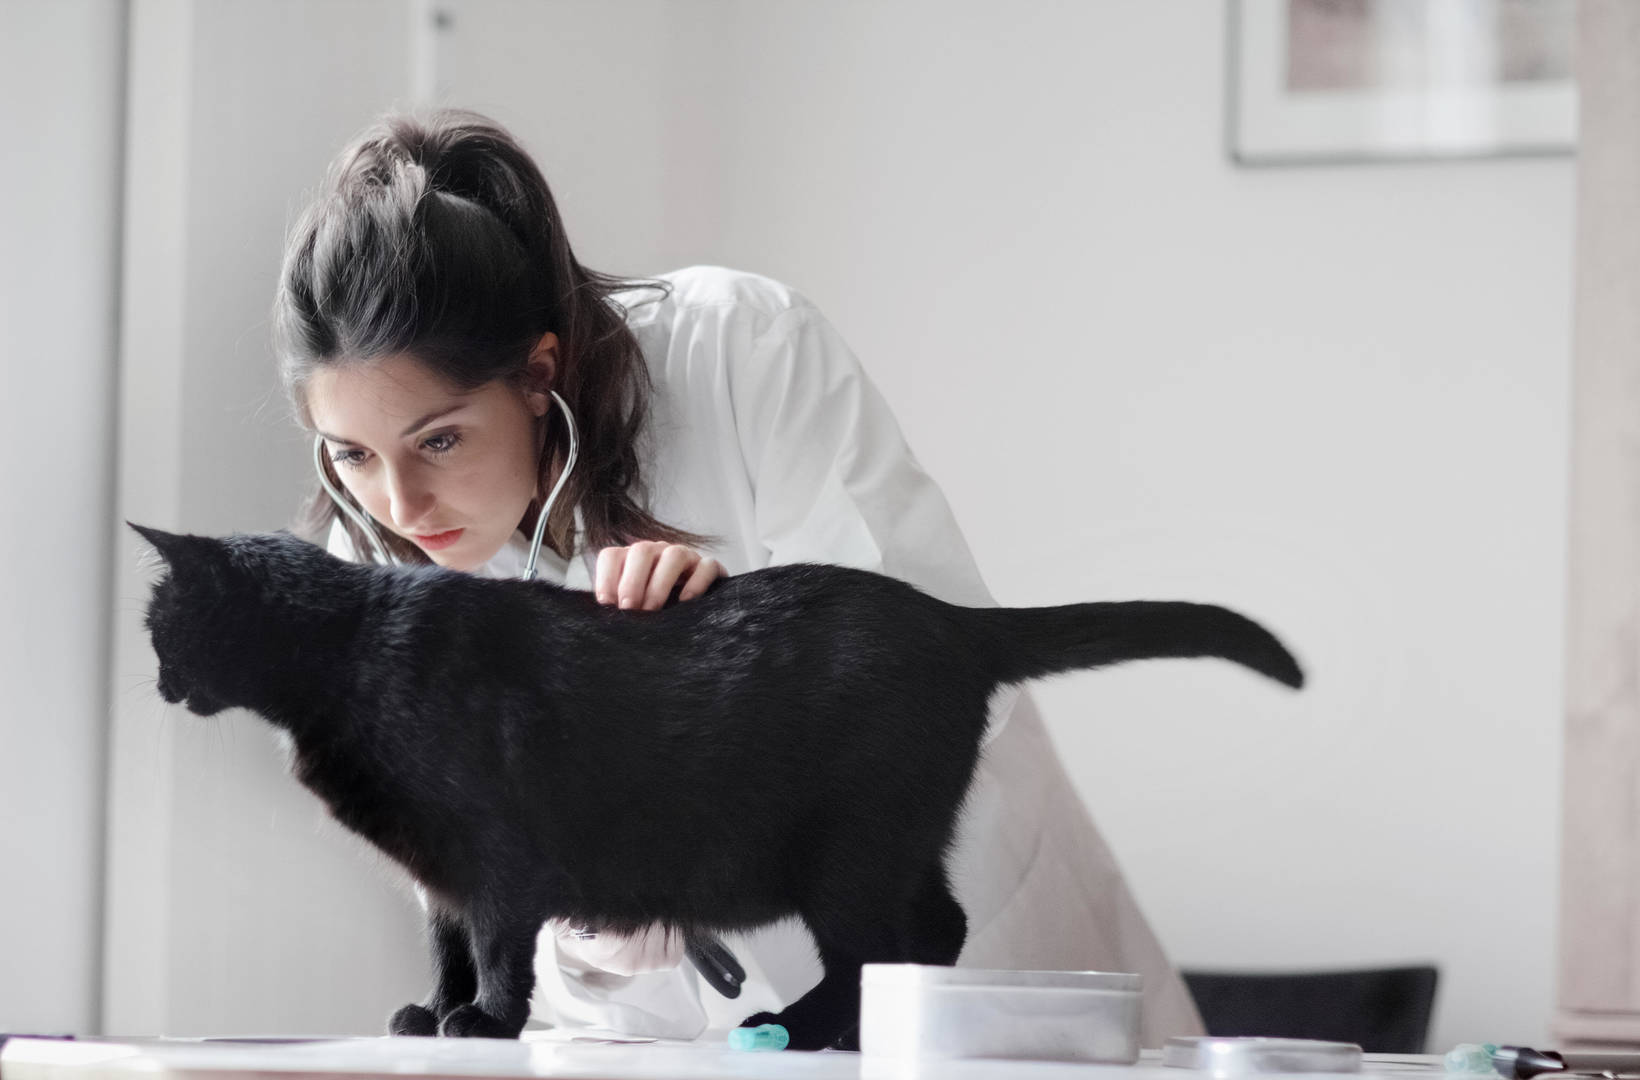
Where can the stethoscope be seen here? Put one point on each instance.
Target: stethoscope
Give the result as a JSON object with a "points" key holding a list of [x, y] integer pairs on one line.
{"points": [[368, 525], [716, 964]]}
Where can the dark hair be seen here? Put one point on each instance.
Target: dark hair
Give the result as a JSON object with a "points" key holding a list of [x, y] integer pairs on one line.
{"points": [[436, 236]]}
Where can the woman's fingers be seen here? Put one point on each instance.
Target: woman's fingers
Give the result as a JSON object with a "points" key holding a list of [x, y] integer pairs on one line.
{"points": [[705, 572], [640, 560], [608, 579], [674, 561], [643, 575]]}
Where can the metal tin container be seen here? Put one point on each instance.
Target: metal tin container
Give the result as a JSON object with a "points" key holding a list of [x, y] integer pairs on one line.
{"points": [[1223, 1058], [921, 1011]]}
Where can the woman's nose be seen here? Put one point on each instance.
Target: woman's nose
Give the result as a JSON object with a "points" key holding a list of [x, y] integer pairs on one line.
{"points": [[408, 498]]}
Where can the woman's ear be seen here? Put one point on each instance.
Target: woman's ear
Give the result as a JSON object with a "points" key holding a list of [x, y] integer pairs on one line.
{"points": [[542, 373]]}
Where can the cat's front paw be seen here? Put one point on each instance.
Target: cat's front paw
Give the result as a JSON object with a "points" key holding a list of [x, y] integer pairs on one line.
{"points": [[800, 1034], [412, 1020], [471, 1022]]}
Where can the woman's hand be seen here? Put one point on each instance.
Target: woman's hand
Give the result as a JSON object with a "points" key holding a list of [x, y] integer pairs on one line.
{"points": [[654, 948], [641, 577]]}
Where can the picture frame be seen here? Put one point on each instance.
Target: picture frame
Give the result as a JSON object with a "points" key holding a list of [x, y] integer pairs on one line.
{"points": [[1319, 81]]}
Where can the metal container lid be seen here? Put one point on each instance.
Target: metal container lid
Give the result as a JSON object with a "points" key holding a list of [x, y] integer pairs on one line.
{"points": [[932, 975], [1224, 1057]]}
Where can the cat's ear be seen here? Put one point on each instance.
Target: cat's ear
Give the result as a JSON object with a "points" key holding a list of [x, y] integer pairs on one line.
{"points": [[180, 551], [169, 545]]}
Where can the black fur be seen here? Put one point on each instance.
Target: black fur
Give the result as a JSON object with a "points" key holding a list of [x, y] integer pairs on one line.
{"points": [[798, 741]]}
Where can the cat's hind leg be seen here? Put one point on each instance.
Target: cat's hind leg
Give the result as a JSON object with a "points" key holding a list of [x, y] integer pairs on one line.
{"points": [[937, 927], [932, 931], [456, 983], [852, 926], [829, 1014]]}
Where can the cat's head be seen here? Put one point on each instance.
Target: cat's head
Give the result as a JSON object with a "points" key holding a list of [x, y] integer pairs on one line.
{"points": [[225, 608]]}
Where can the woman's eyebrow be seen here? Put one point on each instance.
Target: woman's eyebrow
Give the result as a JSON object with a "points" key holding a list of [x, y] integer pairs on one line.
{"points": [[407, 432], [429, 418]]}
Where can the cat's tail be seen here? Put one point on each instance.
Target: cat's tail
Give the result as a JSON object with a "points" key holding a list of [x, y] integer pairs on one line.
{"points": [[1028, 643]]}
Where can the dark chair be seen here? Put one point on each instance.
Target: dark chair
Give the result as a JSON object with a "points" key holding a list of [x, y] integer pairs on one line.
{"points": [[1385, 1010]]}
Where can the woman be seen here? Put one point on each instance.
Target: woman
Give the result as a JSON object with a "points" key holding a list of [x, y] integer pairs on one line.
{"points": [[430, 305]]}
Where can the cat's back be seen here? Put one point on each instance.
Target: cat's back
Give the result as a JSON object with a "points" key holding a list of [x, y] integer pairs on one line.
{"points": [[469, 623], [816, 584]]}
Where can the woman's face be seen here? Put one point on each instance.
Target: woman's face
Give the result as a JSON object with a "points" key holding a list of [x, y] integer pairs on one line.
{"points": [[451, 472]]}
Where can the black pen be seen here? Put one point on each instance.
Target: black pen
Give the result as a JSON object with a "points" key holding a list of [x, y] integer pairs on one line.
{"points": [[1523, 1063]]}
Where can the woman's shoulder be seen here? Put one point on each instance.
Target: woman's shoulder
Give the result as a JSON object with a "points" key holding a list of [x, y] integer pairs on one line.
{"points": [[723, 330], [713, 292]]}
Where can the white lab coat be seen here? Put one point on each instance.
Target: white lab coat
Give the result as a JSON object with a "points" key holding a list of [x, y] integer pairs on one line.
{"points": [[765, 433]]}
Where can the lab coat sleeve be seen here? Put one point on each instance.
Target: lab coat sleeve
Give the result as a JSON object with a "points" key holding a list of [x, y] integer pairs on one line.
{"points": [[651, 949], [570, 992], [833, 479]]}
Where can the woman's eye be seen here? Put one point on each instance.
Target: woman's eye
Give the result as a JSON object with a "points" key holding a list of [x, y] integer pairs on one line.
{"points": [[442, 443]]}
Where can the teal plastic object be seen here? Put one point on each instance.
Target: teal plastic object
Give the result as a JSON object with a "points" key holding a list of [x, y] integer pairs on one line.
{"points": [[1471, 1059], [762, 1037]]}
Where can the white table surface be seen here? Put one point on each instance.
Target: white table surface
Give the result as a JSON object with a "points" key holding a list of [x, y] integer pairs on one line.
{"points": [[550, 1054]]}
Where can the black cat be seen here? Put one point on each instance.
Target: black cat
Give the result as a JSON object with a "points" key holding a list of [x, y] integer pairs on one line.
{"points": [[795, 742]]}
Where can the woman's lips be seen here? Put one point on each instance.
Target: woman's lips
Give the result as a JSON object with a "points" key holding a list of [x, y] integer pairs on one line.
{"points": [[437, 541]]}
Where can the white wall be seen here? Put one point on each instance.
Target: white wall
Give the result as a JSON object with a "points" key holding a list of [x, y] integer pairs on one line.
{"points": [[1333, 397], [60, 101], [234, 904]]}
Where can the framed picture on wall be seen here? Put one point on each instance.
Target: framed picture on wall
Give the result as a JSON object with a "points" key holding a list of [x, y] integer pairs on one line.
{"points": [[1366, 80]]}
